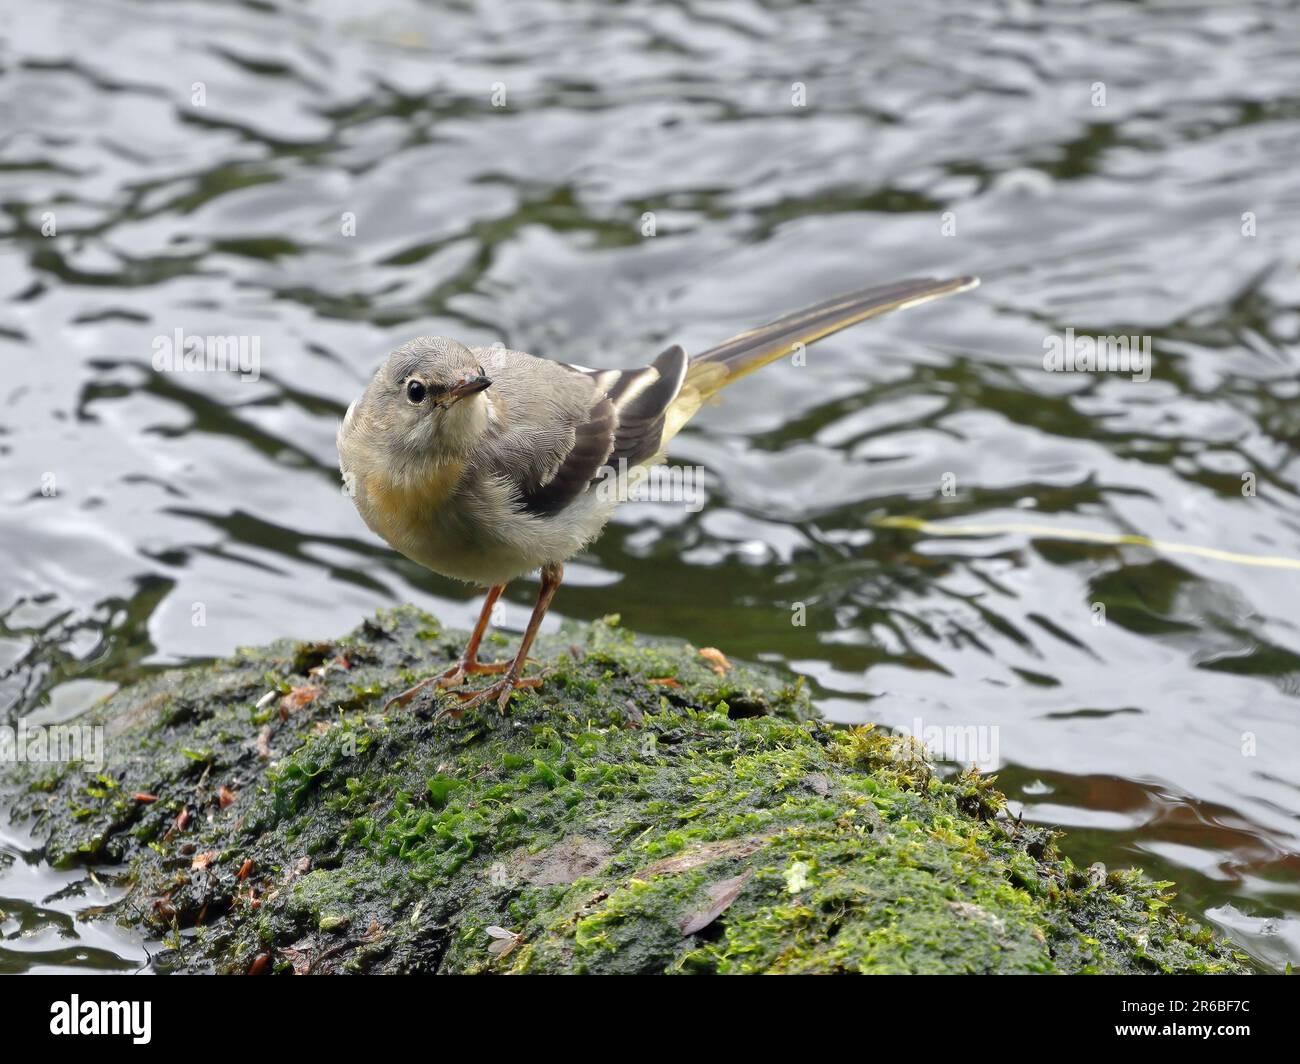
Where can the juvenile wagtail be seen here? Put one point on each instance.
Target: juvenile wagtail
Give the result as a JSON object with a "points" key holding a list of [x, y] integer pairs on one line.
{"points": [[483, 464]]}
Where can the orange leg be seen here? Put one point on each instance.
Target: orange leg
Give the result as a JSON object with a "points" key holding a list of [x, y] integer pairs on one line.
{"points": [[503, 688], [468, 663]]}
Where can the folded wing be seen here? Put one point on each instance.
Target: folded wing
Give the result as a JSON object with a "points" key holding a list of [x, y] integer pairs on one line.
{"points": [[567, 425]]}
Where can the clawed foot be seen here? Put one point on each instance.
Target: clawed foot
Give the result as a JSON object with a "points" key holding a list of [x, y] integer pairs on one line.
{"points": [[499, 692], [398, 701], [455, 676]]}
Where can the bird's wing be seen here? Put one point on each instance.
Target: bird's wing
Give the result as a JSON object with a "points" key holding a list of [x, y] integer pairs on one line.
{"points": [[641, 397], [564, 425]]}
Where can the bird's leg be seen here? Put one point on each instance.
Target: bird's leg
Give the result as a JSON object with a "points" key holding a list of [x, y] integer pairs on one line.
{"points": [[503, 688], [468, 662]]}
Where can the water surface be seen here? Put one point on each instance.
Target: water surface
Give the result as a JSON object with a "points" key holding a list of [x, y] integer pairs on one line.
{"points": [[333, 178]]}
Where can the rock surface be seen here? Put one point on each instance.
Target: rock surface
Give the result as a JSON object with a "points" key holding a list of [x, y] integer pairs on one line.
{"points": [[648, 809]]}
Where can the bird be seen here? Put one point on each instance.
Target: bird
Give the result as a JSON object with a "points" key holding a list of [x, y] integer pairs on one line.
{"points": [[485, 464]]}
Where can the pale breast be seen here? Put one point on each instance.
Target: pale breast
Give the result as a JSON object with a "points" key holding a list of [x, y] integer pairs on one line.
{"points": [[404, 512]]}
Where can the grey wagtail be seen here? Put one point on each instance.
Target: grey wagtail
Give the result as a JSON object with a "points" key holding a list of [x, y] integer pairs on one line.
{"points": [[484, 464]]}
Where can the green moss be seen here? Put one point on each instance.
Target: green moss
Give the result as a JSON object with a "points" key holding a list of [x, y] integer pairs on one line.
{"points": [[639, 812]]}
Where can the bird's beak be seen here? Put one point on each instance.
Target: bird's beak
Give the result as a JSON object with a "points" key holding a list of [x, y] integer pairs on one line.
{"points": [[468, 386]]}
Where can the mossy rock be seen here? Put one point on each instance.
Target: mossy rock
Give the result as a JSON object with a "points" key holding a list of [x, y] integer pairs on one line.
{"points": [[647, 809]]}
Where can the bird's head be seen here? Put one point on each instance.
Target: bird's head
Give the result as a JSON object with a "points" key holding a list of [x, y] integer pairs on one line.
{"points": [[425, 402]]}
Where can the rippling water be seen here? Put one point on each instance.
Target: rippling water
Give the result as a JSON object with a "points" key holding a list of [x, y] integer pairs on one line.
{"points": [[328, 179]]}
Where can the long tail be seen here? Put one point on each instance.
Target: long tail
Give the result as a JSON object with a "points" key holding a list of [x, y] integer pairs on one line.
{"points": [[714, 369]]}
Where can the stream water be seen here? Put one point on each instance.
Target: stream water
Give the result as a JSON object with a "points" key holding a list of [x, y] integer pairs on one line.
{"points": [[326, 179]]}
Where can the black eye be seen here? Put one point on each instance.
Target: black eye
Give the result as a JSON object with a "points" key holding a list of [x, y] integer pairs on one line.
{"points": [[415, 391]]}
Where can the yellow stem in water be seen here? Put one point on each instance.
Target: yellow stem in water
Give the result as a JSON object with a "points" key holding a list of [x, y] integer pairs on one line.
{"points": [[1082, 535]]}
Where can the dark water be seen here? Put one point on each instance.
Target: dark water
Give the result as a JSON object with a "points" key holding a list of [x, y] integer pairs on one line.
{"points": [[135, 503]]}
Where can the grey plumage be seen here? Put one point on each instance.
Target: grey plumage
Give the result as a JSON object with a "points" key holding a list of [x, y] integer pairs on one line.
{"points": [[482, 463]]}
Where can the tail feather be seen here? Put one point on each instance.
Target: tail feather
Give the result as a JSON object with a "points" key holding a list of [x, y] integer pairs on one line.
{"points": [[719, 366]]}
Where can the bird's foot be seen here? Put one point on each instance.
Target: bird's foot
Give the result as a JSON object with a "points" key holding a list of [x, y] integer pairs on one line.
{"points": [[499, 692], [455, 676], [398, 701]]}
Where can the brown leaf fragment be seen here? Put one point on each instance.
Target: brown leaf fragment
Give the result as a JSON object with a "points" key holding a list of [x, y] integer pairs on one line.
{"points": [[665, 681], [721, 895], [264, 743], [225, 796], [302, 695], [203, 860], [141, 796], [717, 660]]}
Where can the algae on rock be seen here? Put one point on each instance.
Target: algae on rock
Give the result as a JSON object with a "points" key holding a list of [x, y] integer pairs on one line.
{"points": [[648, 809]]}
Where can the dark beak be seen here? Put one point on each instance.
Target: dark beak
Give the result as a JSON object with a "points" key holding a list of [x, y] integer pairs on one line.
{"points": [[468, 386]]}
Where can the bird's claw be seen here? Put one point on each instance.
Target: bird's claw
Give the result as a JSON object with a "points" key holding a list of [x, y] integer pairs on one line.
{"points": [[398, 701], [499, 692], [455, 676]]}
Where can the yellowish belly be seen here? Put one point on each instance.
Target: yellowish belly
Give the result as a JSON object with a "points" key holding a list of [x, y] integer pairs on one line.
{"points": [[404, 511]]}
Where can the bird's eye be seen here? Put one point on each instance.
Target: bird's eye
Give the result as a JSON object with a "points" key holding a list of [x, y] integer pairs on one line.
{"points": [[415, 391]]}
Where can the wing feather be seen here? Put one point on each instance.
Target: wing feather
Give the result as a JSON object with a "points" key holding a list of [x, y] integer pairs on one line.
{"points": [[623, 428], [593, 439]]}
